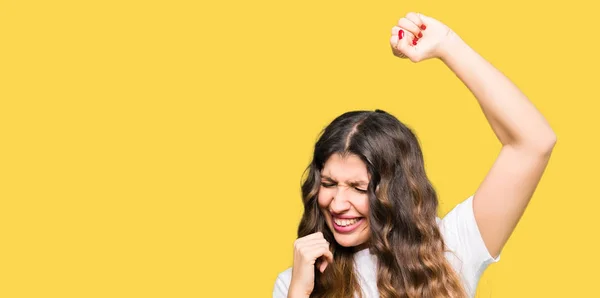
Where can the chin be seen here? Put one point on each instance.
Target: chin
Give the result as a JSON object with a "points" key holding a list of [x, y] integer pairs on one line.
{"points": [[347, 240], [346, 243]]}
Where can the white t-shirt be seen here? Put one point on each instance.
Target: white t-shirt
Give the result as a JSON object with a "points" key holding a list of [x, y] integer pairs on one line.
{"points": [[469, 255]]}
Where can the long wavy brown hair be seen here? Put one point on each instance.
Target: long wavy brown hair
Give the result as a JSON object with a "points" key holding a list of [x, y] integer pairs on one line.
{"points": [[404, 234]]}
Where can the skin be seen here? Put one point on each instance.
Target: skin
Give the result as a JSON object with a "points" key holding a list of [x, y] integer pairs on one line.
{"points": [[526, 137], [343, 193]]}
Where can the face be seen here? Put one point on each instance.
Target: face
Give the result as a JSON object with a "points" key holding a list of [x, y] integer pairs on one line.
{"points": [[343, 199]]}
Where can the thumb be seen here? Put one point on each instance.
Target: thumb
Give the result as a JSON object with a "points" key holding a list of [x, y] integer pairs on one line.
{"points": [[424, 18], [323, 265], [327, 258]]}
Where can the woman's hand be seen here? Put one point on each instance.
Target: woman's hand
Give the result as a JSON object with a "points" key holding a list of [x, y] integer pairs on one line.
{"points": [[418, 37], [306, 252]]}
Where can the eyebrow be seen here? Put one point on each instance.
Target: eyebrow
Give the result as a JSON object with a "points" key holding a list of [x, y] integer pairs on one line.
{"points": [[350, 182]]}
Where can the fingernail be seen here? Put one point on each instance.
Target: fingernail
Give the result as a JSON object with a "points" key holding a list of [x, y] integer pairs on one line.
{"points": [[420, 34], [400, 34], [414, 42], [423, 27]]}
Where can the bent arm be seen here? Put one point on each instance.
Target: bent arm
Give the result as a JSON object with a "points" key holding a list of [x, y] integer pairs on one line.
{"points": [[527, 142]]}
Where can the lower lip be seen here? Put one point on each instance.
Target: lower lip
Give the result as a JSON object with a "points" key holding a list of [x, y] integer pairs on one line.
{"points": [[349, 228]]}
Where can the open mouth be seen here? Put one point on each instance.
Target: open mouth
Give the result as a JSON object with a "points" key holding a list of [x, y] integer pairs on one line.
{"points": [[345, 222], [345, 225]]}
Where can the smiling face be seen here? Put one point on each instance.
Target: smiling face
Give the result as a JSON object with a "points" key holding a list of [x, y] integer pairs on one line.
{"points": [[343, 199]]}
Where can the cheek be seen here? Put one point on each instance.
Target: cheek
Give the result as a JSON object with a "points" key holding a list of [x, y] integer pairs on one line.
{"points": [[362, 206], [324, 197]]}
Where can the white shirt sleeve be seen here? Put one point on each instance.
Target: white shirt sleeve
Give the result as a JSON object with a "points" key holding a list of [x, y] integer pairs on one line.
{"points": [[282, 284], [468, 254]]}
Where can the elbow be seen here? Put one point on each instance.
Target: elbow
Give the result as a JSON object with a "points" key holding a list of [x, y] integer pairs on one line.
{"points": [[544, 143], [552, 140], [541, 144]]}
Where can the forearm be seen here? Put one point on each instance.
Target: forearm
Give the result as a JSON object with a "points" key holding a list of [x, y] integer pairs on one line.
{"points": [[297, 294], [513, 118], [296, 291]]}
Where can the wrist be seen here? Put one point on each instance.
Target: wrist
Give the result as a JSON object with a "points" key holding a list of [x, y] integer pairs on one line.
{"points": [[296, 292], [452, 48], [297, 295]]}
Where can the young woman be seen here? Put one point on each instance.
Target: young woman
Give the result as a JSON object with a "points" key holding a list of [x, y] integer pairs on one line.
{"points": [[369, 226]]}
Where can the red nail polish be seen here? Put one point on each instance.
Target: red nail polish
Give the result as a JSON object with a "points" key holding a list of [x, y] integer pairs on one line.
{"points": [[415, 42], [420, 34], [400, 34], [423, 27]]}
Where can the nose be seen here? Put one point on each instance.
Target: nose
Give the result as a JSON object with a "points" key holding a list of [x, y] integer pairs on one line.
{"points": [[341, 201]]}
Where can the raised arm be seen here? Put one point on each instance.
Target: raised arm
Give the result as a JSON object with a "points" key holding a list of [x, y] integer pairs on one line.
{"points": [[527, 139]]}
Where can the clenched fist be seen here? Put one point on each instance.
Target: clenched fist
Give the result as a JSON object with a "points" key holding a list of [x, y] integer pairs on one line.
{"points": [[419, 37], [307, 250]]}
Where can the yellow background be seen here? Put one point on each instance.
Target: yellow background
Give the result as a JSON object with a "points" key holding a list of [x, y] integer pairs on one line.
{"points": [[155, 148]]}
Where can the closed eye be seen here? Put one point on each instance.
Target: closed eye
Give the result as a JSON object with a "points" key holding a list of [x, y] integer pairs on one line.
{"points": [[328, 184], [361, 190]]}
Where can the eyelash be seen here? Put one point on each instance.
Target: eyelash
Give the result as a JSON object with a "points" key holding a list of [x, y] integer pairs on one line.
{"points": [[328, 185]]}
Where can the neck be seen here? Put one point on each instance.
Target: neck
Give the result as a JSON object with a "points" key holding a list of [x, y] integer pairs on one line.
{"points": [[361, 247]]}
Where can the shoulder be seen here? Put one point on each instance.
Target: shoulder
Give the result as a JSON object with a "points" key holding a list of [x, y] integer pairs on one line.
{"points": [[466, 250], [282, 284], [460, 231]]}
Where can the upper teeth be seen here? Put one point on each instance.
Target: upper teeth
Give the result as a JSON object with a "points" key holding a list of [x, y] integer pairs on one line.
{"points": [[345, 222]]}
